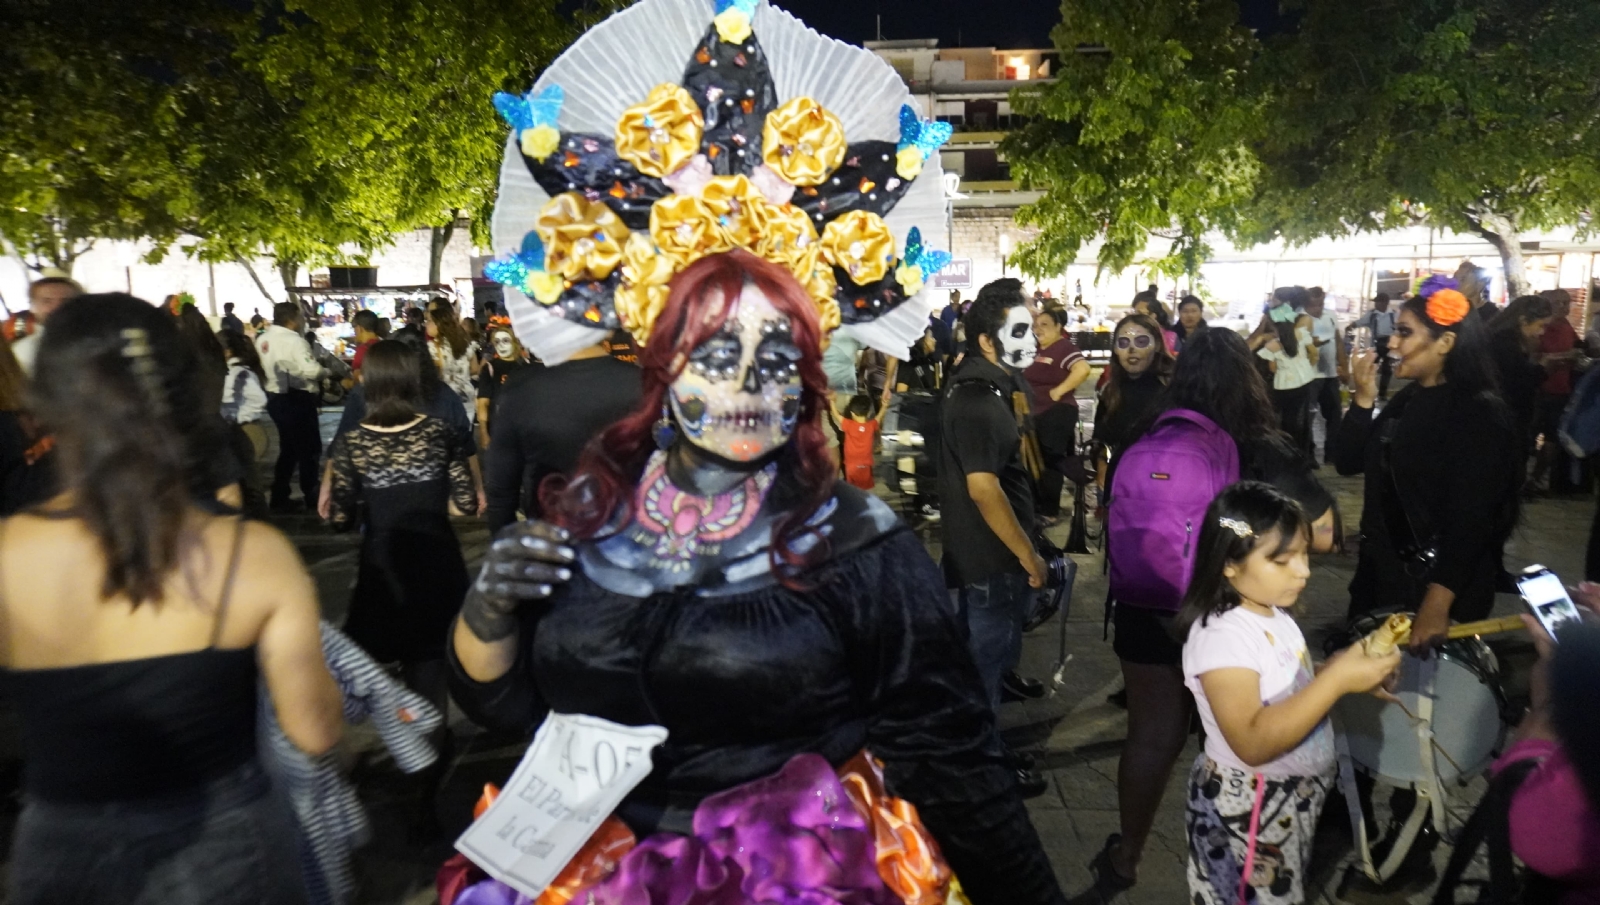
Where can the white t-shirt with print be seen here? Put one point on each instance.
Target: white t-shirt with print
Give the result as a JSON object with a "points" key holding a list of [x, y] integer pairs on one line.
{"points": [[1274, 649]]}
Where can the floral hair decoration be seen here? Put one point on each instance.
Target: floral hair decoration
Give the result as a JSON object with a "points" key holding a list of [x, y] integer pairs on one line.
{"points": [[1446, 305], [626, 164]]}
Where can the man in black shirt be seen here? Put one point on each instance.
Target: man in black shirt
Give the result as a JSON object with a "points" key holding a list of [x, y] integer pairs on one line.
{"points": [[542, 421], [230, 321], [987, 495]]}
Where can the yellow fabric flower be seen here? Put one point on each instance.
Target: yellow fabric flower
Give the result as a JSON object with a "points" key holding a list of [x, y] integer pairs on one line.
{"points": [[803, 142], [789, 239], [910, 278], [908, 162], [642, 264], [661, 134], [638, 307], [861, 244], [685, 230], [546, 288], [540, 142], [739, 208], [733, 26], [582, 239]]}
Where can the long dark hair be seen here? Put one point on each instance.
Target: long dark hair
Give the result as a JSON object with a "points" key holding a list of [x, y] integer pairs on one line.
{"points": [[116, 383], [391, 380], [1522, 310], [1216, 376], [1265, 509], [1158, 311], [1160, 361], [1296, 297], [696, 309], [443, 315], [1574, 695], [239, 346]]}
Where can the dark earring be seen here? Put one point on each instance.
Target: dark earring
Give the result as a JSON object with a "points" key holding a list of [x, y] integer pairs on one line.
{"points": [[666, 430]]}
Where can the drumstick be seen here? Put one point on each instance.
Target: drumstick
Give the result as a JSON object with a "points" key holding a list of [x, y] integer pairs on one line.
{"points": [[1486, 627]]}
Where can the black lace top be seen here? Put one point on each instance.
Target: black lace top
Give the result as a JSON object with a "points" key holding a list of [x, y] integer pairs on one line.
{"points": [[428, 453], [871, 656]]}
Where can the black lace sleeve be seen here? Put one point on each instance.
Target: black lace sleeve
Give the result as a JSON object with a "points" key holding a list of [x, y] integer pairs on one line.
{"points": [[462, 492], [932, 727], [346, 493]]}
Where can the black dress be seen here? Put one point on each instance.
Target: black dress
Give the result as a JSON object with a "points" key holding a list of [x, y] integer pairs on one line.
{"points": [[870, 656], [1456, 465], [398, 485]]}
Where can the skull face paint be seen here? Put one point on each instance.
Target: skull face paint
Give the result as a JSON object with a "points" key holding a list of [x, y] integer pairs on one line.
{"points": [[504, 346], [738, 397], [1018, 345]]}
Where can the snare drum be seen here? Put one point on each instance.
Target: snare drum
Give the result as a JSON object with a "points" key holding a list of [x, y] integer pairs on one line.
{"points": [[1468, 708]]}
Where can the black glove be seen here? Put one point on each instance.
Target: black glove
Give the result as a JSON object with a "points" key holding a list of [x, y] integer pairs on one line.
{"points": [[524, 562]]}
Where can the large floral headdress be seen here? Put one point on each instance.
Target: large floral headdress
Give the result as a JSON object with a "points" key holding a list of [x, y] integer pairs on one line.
{"points": [[625, 165]]}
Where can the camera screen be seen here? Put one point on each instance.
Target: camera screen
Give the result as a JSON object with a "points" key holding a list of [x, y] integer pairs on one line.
{"points": [[1549, 601]]}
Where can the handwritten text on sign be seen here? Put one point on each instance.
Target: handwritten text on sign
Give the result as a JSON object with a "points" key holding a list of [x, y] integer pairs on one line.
{"points": [[575, 773]]}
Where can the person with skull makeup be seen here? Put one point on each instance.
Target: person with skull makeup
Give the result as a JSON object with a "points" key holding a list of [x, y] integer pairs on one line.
{"points": [[715, 577], [507, 359], [984, 489]]}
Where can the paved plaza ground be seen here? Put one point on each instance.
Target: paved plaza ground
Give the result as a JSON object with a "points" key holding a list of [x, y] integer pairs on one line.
{"points": [[1075, 734]]}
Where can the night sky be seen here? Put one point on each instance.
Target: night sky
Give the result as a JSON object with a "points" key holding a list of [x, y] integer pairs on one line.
{"points": [[1013, 24]]}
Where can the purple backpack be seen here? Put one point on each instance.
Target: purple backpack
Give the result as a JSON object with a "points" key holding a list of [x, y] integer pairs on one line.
{"points": [[1159, 495]]}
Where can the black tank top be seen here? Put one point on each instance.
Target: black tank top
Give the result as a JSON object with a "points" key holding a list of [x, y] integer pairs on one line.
{"points": [[138, 729]]}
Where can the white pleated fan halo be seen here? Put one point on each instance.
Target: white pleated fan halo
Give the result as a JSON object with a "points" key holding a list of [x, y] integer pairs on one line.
{"points": [[615, 65]]}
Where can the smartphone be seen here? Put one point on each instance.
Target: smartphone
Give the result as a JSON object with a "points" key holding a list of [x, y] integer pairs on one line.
{"points": [[1548, 601]]}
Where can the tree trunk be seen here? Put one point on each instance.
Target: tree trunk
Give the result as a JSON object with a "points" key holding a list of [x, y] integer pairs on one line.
{"points": [[440, 241], [255, 277], [288, 270], [1500, 230]]}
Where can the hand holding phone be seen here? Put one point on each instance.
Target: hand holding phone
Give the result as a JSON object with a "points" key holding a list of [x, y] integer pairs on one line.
{"points": [[1541, 589]]}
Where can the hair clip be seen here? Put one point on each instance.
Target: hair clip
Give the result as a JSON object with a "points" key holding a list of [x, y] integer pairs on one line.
{"points": [[1240, 528]]}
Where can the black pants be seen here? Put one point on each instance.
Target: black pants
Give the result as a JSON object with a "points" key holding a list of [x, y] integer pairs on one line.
{"points": [[1294, 415], [299, 444], [1380, 344], [1325, 398], [1058, 435], [1591, 564]]}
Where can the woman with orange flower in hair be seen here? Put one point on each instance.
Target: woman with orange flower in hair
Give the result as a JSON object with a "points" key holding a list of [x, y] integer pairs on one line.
{"points": [[1441, 466]]}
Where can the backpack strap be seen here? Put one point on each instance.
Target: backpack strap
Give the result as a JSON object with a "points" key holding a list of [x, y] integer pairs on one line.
{"points": [[1491, 823]]}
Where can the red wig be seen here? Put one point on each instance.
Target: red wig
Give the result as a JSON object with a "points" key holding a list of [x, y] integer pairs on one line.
{"points": [[611, 464]]}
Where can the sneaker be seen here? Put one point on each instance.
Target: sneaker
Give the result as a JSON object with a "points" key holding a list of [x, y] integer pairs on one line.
{"points": [[1016, 687], [1030, 784]]}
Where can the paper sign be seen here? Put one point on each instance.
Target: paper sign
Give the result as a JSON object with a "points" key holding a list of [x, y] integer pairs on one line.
{"points": [[575, 773]]}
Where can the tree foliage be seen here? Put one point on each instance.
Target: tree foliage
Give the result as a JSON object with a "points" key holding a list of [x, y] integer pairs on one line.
{"points": [[1141, 134], [1479, 116], [314, 132], [1474, 115]]}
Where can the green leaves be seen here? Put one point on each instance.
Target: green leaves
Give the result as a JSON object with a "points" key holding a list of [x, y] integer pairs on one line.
{"points": [[1142, 135], [316, 132], [1169, 120]]}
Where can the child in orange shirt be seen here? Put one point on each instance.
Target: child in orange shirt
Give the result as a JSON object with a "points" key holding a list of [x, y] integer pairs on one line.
{"points": [[860, 429]]}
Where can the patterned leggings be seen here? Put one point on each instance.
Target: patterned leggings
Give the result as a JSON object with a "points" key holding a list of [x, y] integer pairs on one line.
{"points": [[1220, 801]]}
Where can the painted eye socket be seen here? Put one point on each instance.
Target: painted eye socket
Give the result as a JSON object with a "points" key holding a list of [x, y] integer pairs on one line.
{"points": [[718, 353], [1018, 331]]}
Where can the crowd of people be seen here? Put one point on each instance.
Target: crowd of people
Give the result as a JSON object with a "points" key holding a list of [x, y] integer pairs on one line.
{"points": [[144, 436], [677, 452]]}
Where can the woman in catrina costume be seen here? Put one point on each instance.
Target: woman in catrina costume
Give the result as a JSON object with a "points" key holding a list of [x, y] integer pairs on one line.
{"points": [[827, 736]]}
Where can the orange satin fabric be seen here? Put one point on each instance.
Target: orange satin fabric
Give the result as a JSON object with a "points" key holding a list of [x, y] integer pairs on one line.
{"points": [[908, 858], [593, 863]]}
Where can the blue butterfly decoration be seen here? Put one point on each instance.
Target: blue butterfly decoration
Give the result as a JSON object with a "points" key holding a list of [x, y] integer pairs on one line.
{"points": [[924, 134], [748, 7], [531, 109], [514, 270], [931, 260]]}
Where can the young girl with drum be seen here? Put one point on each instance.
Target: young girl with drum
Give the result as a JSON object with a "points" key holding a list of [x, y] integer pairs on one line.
{"points": [[1256, 791], [1442, 465]]}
